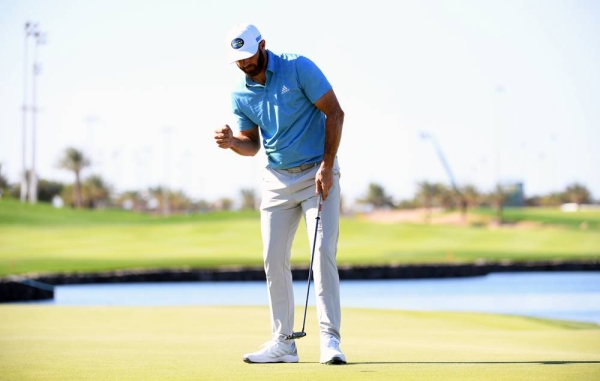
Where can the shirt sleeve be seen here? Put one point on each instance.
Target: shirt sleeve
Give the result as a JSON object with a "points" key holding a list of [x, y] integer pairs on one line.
{"points": [[243, 122], [311, 79]]}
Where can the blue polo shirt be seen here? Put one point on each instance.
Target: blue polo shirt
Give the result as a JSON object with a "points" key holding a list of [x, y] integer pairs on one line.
{"points": [[292, 128]]}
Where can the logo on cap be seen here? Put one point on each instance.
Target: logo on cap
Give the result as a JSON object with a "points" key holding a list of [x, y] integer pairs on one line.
{"points": [[237, 43]]}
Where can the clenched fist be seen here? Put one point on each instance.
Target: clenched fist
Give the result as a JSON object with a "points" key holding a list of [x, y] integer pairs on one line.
{"points": [[224, 137]]}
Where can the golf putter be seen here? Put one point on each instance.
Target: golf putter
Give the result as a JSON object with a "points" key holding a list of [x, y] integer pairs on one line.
{"points": [[299, 335]]}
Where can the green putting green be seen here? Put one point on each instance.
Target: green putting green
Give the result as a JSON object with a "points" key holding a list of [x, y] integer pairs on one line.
{"points": [[40, 342]]}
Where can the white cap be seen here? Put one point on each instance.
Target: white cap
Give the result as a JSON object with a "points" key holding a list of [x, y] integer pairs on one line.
{"points": [[242, 42]]}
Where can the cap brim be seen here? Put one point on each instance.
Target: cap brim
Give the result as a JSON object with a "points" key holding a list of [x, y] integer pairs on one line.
{"points": [[237, 55]]}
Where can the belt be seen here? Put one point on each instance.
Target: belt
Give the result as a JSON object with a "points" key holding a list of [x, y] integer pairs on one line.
{"points": [[300, 168]]}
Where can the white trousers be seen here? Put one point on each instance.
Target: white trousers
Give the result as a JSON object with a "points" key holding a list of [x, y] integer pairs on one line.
{"points": [[286, 198]]}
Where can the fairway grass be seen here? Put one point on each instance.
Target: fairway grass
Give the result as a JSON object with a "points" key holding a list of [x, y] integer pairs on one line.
{"points": [[41, 239], [40, 342]]}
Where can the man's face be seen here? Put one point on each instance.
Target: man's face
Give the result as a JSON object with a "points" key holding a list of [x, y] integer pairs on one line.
{"points": [[254, 65]]}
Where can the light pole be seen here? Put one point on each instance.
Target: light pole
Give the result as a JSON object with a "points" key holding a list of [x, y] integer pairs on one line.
{"points": [[40, 39], [30, 30]]}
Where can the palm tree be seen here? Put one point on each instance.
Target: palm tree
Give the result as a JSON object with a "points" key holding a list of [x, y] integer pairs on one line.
{"points": [[427, 193], [470, 199], [75, 160], [498, 197]]}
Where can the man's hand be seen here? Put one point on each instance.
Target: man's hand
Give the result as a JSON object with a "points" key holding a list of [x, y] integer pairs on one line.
{"points": [[224, 137], [324, 181]]}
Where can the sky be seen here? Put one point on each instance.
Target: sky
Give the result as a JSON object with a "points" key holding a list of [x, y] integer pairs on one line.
{"points": [[508, 90]]}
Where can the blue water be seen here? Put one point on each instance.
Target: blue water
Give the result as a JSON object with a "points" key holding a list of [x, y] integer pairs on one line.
{"points": [[559, 295]]}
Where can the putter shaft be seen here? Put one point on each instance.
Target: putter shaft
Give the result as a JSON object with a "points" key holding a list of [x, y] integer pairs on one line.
{"points": [[299, 335]]}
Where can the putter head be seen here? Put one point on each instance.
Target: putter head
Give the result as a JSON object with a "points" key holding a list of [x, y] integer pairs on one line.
{"points": [[296, 335]]}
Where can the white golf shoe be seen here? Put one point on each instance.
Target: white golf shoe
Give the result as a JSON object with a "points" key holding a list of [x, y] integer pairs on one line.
{"points": [[331, 354], [273, 351]]}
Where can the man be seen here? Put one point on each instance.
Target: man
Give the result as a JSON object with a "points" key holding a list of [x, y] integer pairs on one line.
{"points": [[288, 101]]}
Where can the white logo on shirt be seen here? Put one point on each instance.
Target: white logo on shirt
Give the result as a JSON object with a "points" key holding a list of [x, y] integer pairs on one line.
{"points": [[284, 89]]}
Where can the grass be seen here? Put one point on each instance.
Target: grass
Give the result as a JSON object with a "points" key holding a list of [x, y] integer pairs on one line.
{"points": [[41, 239], [206, 343], [586, 219]]}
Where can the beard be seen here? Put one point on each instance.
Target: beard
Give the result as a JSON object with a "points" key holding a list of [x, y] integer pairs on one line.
{"points": [[254, 70]]}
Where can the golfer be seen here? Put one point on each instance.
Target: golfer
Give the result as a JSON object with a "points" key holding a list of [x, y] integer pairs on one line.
{"points": [[288, 101]]}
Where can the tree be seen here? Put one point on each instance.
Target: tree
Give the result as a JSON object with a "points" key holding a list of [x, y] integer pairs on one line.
{"points": [[248, 199], [95, 191], [578, 194], [553, 199], [498, 197], [427, 193], [377, 197], [3, 182], [131, 200], [469, 198], [74, 160], [472, 195], [447, 197], [177, 201], [224, 203], [48, 189]]}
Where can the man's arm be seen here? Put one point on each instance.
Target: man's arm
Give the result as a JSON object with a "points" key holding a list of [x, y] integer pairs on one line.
{"points": [[329, 105], [246, 143]]}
